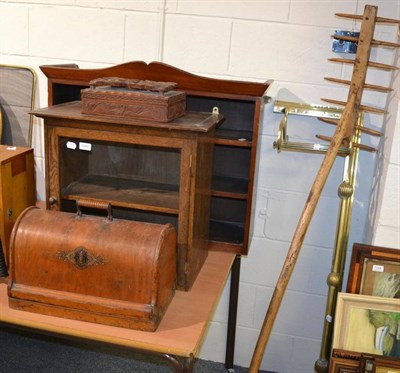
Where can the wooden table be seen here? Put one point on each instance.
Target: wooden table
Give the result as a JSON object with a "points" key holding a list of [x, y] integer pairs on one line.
{"points": [[179, 335]]}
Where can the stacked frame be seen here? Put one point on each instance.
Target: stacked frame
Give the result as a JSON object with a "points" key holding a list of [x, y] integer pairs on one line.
{"points": [[367, 321]]}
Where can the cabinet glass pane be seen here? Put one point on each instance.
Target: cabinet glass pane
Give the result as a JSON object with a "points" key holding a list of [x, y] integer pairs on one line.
{"points": [[141, 177]]}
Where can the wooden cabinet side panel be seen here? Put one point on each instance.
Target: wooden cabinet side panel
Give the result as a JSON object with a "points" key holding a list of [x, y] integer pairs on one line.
{"points": [[253, 169], [185, 202], [201, 205], [52, 167]]}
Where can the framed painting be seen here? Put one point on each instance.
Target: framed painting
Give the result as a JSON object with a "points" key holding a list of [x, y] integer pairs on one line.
{"points": [[367, 324], [374, 271]]}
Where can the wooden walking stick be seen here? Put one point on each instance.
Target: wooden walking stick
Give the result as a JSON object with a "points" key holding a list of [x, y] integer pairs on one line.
{"points": [[342, 135]]}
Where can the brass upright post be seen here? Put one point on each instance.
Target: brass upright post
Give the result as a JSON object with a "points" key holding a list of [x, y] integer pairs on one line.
{"points": [[335, 277]]}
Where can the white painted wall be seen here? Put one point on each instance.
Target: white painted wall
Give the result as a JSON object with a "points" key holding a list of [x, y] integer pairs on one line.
{"points": [[284, 40]]}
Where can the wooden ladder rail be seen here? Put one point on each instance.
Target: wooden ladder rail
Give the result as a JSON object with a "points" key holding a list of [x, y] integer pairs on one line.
{"points": [[342, 135]]}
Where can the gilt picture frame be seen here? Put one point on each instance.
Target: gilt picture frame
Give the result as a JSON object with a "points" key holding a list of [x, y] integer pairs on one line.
{"points": [[379, 364], [339, 365], [367, 324], [344, 362], [373, 269]]}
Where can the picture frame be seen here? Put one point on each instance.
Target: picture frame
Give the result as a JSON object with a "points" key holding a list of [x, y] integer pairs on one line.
{"points": [[370, 267], [379, 364], [367, 324], [339, 365], [343, 361]]}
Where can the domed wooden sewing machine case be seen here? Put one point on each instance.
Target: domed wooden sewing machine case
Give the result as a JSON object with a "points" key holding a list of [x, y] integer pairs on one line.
{"points": [[91, 268]]}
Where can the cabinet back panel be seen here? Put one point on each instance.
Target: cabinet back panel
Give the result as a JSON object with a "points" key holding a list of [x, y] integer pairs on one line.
{"points": [[148, 164], [227, 232], [227, 209], [227, 221], [239, 115], [66, 93], [158, 165], [231, 161]]}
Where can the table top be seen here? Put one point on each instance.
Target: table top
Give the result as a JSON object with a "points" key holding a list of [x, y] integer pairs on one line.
{"points": [[181, 331]]}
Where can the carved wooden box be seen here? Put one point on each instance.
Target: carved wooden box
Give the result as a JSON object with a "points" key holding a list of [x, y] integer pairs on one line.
{"points": [[132, 98], [114, 272]]}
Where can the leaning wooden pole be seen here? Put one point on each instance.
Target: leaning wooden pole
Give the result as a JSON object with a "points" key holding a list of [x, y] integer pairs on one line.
{"points": [[342, 135]]}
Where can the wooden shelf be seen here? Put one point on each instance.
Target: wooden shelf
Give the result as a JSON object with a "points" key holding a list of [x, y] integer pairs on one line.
{"points": [[229, 187], [227, 231], [129, 193], [228, 137]]}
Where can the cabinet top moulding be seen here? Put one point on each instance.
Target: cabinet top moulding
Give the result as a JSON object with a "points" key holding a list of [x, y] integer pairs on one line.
{"points": [[71, 74]]}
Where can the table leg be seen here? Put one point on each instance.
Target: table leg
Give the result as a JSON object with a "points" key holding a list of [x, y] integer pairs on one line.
{"points": [[233, 304]]}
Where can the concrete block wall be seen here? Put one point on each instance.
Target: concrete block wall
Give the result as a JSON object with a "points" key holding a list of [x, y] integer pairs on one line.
{"points": [[386, 219], [284, 40]]}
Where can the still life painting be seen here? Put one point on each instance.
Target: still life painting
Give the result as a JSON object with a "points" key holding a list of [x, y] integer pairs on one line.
{"points": [[368, 324]]}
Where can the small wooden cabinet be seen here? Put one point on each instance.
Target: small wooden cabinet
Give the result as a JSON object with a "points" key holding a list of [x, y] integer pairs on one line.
{"points": [[17, 189], [235, 140], [149, 171]]}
